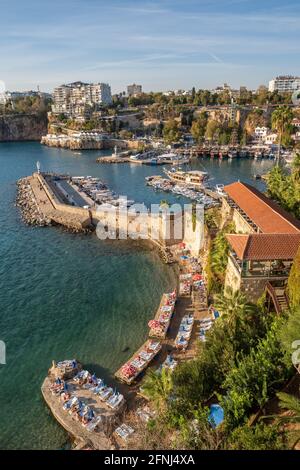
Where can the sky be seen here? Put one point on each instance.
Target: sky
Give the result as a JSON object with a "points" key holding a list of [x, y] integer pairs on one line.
{"points": [[162, 44]]}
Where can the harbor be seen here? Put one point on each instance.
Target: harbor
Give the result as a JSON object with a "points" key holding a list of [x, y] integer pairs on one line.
{"points": [[190, 184], [79, 304]]}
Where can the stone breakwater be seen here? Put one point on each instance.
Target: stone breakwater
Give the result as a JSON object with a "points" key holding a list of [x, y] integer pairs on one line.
{"points": [[27, 203], [37, 209]]}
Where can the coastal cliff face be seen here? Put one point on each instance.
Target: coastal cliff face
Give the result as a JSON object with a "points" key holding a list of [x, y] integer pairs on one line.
{"points": [[22, 127]]}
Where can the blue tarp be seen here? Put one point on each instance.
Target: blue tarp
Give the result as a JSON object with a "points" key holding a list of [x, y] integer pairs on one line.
{"points": [[216, 415]]}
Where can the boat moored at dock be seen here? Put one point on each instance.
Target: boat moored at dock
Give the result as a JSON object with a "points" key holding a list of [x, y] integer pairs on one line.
{"points": [[193, 178]]}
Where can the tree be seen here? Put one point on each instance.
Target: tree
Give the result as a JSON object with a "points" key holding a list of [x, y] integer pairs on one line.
{"points": [[258, 437], [291, 404], [171, 131], [294, 282], [158, 386], [281, 122], [296, 168], [233, 306], [198, 128], [255, 377], [212, 130], [285, 188], [289, 335]]}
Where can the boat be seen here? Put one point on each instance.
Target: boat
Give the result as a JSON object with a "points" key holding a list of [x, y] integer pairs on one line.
{"points": [[193, 179], [220, 189], [243, 153], [232, 154], [258, 155]]}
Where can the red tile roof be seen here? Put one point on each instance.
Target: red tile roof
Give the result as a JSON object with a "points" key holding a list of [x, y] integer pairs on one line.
{"points": [[264, 246], [265, 213]]}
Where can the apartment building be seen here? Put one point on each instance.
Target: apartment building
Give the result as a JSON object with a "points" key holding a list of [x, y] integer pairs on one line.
{"points": [[134, 90], [79, 99], [285, 84]]}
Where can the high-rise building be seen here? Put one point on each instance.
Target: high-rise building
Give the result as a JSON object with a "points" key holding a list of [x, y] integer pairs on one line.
{"points": [[79, 99], [133, 90], [285, 84]]}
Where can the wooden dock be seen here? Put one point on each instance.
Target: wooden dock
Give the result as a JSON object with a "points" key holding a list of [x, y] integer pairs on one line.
{"points": [[129, 381], [163, 333]]}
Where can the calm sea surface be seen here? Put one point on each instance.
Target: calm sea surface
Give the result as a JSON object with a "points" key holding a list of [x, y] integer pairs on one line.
{"points": [[64, 295]]}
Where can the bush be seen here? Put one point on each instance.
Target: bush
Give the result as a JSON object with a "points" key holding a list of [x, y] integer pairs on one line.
{"points": [[259, 437]]}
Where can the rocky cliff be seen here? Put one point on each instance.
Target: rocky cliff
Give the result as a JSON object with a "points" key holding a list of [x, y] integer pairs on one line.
{"points": [[22, 127]]}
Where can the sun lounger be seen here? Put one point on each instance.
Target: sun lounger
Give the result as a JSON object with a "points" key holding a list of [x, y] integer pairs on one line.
{"points": [[104, 394], [93, 424], [73, 401], [138, 363], [124, 431], [145, 355], [154, 346], [115, 400]]}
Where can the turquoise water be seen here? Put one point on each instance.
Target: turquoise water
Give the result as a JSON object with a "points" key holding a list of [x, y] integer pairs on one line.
{"points": [[64, 295]]}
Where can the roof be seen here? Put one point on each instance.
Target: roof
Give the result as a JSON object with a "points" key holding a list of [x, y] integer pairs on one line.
{"points": [[265, 213], [264, 246]]}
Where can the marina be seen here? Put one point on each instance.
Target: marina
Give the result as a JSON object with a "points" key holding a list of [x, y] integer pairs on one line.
{"points": [[150, 158], [203, 195], [78, 303]]}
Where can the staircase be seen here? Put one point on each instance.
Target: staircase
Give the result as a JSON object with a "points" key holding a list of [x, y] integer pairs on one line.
{"points": [[278, 296]]}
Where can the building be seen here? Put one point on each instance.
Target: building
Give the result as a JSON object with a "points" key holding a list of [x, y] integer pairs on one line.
{"points": [[264, 245], [134, 90], [264, 136], [260, 133], [285, 84], [79, 99], [296, 123], [270, 138]]}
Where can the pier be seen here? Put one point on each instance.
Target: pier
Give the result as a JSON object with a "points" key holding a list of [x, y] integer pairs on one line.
{"points": [[159, 328], [73, 398], [139, 362]]}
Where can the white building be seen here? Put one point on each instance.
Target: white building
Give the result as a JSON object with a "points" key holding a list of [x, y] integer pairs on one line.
{"points": [[78, 99], [263, 135], [260, 133], [285, 84], [270, 138], [296, 123]]}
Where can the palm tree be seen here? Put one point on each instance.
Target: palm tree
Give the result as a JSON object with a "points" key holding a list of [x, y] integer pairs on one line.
{"points": [[296, 168], [292, 405], [158, 386], [281, 120], [234, 306]]}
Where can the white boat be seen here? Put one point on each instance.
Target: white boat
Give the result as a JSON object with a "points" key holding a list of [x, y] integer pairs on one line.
{"points": [[220, 189], [194, 178]]}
